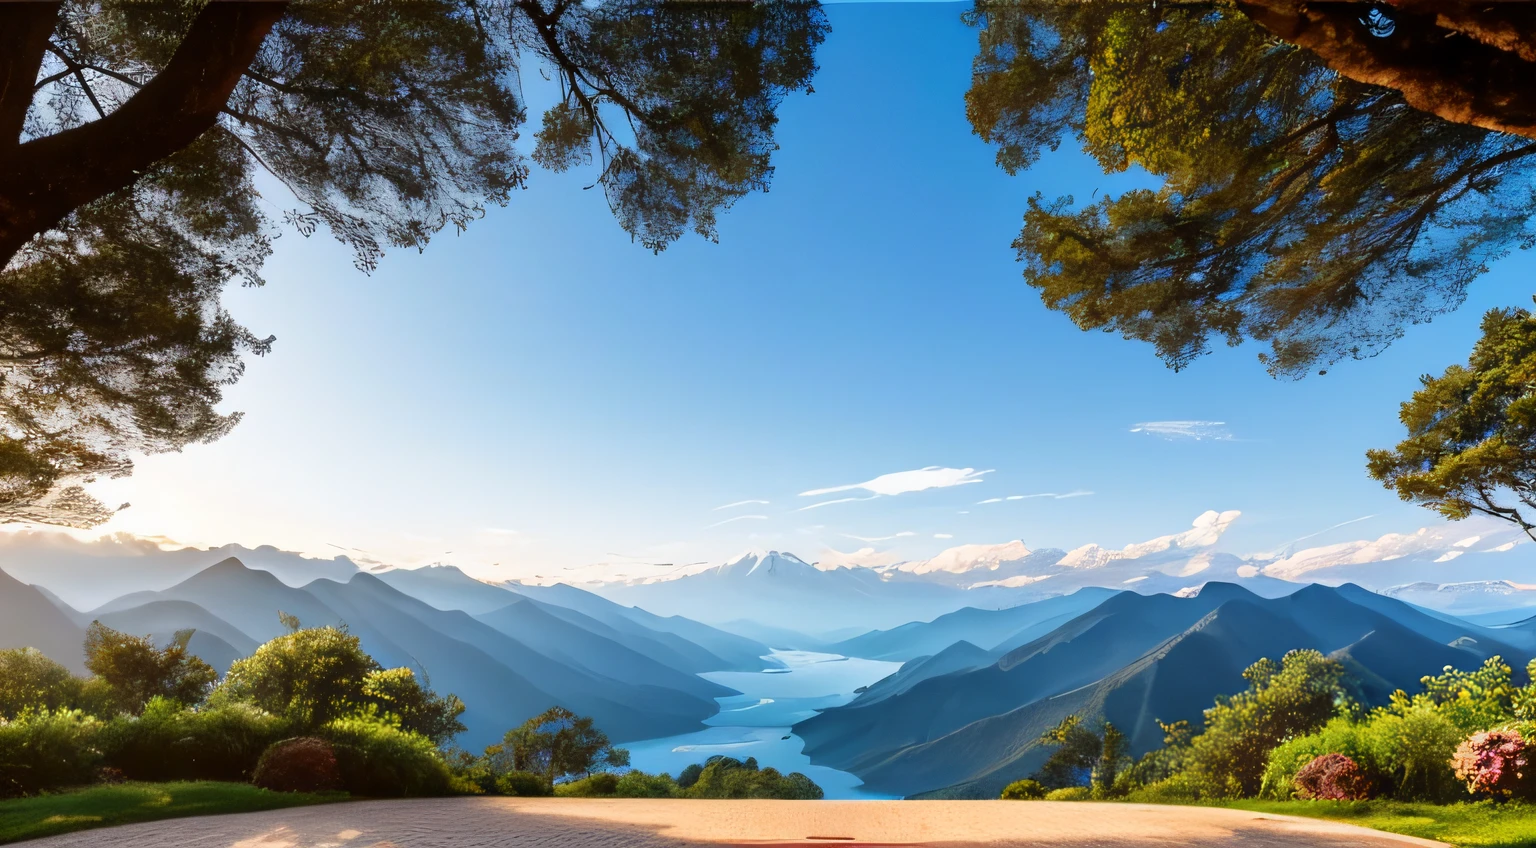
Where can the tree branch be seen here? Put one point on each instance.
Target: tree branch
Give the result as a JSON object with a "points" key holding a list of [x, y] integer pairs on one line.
{"points": [[24, 32], [48, 177], [75, 69], [1461, 79]]}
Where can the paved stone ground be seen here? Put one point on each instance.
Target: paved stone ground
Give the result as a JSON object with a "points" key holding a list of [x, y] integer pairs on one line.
{"points": [[593, 823]]}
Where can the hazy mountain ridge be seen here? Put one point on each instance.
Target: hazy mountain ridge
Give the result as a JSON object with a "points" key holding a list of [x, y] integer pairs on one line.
{"points": [[502, 678], [1133, 659]]}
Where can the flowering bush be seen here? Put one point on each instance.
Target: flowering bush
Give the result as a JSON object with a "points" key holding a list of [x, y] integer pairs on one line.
{"points": [[305, 764], [1495, 762], [1332, 777]]}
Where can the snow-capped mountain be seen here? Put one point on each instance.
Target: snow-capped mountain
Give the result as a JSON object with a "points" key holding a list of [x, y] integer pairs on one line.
{"points": [[963, 559], [1468, 597]]}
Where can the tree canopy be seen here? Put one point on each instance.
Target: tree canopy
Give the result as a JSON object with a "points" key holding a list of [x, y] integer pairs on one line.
{"points": [[1471, 443], [1291, 698], [1296, 206], [136, 671], [132, 136], [558, 743], [313, 676]]}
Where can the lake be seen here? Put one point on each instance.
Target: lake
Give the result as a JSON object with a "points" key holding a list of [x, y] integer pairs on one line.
{"points": [[757, 722]]}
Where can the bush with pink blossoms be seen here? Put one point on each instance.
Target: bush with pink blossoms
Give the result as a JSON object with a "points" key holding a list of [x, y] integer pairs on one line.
{"points": [[1498, 763], [1332, 777]]}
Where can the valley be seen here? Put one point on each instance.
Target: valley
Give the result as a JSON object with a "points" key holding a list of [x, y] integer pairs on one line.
{"points": [[878, 683]]}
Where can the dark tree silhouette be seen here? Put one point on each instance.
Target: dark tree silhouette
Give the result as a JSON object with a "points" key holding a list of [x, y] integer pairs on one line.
{"points": [[1470, 63], [131, 135], [1298, 206]]}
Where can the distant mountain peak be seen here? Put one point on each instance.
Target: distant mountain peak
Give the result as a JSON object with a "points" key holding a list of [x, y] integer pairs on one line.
{"points": [[762, 563], [963, 558]]}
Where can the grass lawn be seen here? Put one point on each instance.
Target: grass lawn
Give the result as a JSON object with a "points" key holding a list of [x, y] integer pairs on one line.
{"points": [[1481, 824], [123, 803]]}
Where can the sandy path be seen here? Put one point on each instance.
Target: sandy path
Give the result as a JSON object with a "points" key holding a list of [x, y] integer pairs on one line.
{"points": [[583, 823]]}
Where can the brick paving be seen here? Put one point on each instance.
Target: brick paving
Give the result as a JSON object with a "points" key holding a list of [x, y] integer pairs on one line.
{"points": [[597, 823]]}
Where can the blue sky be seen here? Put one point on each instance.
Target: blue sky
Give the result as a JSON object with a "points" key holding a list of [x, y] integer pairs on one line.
{"points": [[540, 393]]}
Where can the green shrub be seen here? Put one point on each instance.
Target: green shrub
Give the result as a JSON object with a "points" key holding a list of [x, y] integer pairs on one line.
{"points": [[523, 784], [1023, 790], [31, 681], [1070, 793], [1180, 788], [604, 784], [47, 750], [378, 759], [1420, 741], [167, 741], [689, 775], [302, 764], [1369, 751], [727, 777], [638, 784]]}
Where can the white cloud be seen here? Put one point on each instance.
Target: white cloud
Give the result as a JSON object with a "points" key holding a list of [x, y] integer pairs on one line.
{"points": [[963, 558], [943, 535], [1012, 582], [739, 518], [861, 558], [1205, 531], [901, 535], [1215, 431], [1441, 541], [820, 504], [1078, 493], [738, 503], [903, 482]]}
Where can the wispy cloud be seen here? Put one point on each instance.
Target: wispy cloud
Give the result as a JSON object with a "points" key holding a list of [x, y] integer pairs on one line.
{"points": [[902, 482], [943, 535], [1060, 496], [820, 504], [901, 535], [500, 531], [739, 518], [738, 503], [1198, 431]]}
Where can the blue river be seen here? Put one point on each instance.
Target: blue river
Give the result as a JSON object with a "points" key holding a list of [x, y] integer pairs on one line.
{"points": [[756, 723]]}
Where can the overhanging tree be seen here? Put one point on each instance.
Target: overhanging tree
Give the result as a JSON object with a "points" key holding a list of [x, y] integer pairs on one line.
{"points": [[1471, 443], [131, 135], [1297, 206]]}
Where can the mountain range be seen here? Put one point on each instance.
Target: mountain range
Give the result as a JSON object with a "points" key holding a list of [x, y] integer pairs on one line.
{"points": [[509, 661], [966, 721], [996, 642]]}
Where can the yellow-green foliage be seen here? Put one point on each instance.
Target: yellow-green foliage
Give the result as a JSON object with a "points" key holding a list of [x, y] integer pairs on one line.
{"points": [[1339, 736], [1023, 790], [378, 759], [1070, 793], [1470, 429], [593, 786], [1482, 824], [1229, 758]]}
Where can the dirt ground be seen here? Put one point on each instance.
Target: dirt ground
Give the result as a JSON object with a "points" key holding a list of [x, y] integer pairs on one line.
{"points": [[593, 823]]}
